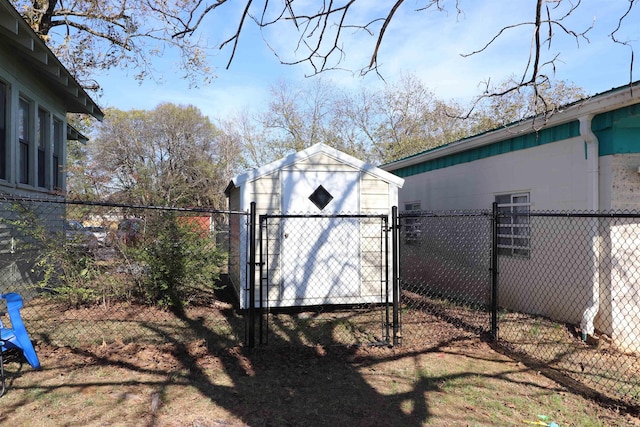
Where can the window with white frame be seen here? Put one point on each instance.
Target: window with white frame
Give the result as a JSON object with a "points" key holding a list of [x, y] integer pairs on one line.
{"points": [[3, 130], [513, 224], [42, 168], [57, 154], [24, 138]]}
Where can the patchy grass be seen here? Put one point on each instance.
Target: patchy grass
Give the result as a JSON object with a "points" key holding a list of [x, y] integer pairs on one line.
{"points": [[597, 367], [451, 379]]}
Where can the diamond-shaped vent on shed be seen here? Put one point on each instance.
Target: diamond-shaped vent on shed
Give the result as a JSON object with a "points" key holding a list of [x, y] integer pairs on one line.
{"points": [[321, 197]]}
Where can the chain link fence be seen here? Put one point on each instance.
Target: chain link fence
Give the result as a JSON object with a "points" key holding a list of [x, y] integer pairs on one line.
{"points": [[444, 270], [573, 301], [93, 273], [562, 290]]}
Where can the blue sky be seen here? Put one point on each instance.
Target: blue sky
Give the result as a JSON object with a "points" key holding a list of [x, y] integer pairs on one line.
{"points": [[427, 44]]}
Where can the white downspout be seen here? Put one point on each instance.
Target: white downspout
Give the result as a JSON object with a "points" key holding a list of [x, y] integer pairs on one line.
{"points": [[593, 205]]}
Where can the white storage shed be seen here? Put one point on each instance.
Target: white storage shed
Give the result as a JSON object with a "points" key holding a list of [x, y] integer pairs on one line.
{"points": [[319, 251]]}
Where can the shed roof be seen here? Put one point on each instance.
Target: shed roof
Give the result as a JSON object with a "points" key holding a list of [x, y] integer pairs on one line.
{"points": [[291, 159], [15, 32]]}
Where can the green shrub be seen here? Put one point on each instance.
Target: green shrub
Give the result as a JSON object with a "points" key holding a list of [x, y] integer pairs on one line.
{"points": [[176, 261]]}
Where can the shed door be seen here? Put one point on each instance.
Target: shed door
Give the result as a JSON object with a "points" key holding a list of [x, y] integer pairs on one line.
{"points": [[320, 256]]}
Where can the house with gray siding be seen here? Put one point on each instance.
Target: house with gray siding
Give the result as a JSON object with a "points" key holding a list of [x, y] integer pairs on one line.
{"points": [[36, 93]]}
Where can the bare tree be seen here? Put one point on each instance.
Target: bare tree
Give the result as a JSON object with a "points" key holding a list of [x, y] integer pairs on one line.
{"points": [[172, 155], [323, 26], [377, 126], [538, 102], [92, 34]]}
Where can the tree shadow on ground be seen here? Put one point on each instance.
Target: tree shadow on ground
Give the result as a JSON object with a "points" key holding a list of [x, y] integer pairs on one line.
{"points": [[286, 382]]}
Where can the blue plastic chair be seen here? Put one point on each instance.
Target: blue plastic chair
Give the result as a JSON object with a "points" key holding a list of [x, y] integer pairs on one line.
{"points": [[16, 336]]}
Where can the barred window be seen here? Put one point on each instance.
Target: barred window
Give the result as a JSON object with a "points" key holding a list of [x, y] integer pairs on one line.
{"points": [[513, 224], [412, 225]]}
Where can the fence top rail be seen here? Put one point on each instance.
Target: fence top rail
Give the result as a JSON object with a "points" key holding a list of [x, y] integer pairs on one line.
{"points": [[378, 216], [558, 214], [580, 214], [14, 198], [443, 214]]}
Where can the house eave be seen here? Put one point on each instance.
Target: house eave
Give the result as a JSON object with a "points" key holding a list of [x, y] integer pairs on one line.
{"points": [[30, 47]]}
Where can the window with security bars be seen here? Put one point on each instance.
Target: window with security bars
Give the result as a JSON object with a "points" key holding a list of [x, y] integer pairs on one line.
{"points": [[513, 224], [412, 225]]}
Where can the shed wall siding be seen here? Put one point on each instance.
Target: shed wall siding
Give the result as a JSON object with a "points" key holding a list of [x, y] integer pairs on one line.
{"points": [[265, 191], [375, 196], [236, 257], [321, 162]]}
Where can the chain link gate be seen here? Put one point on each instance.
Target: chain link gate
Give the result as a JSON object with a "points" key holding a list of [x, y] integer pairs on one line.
{"points": [[322, 280]]}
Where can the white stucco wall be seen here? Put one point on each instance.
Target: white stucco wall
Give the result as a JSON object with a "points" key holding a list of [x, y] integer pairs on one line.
{"points": [[619, 314], [554, 174]]}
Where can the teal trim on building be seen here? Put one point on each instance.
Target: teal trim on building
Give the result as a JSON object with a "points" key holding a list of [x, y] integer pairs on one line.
{"points": [[618, 132], [520, 142]]}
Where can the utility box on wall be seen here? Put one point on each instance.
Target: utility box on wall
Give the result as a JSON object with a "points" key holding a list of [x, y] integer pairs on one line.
{"points": [[313, 256]]}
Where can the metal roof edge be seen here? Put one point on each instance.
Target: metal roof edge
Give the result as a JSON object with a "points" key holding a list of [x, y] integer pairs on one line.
{"points": [[613, 99]]}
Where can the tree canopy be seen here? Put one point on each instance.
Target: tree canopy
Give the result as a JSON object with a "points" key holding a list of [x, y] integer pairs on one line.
{"points": [[174, 156], [90, 36], [170, 156], [379, 126]]}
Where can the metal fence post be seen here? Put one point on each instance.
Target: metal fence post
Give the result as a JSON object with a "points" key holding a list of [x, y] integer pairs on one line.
{"points": [[494, 271], [261, 233], [395, 277], [385, 234], [252, 275]]}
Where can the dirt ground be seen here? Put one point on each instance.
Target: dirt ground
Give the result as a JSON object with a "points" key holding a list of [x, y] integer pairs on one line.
{"points": [[452, 379]]}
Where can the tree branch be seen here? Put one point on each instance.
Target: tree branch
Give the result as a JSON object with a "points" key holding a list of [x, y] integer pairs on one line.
{"points": [[383, 29]]}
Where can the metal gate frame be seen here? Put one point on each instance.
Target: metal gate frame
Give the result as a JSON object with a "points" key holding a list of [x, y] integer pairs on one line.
{"points": [[258, 279]]}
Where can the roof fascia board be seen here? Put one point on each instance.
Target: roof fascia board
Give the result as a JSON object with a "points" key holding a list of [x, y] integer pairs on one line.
{"points": [[617, 98], [8, 23], [26, 40]]}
